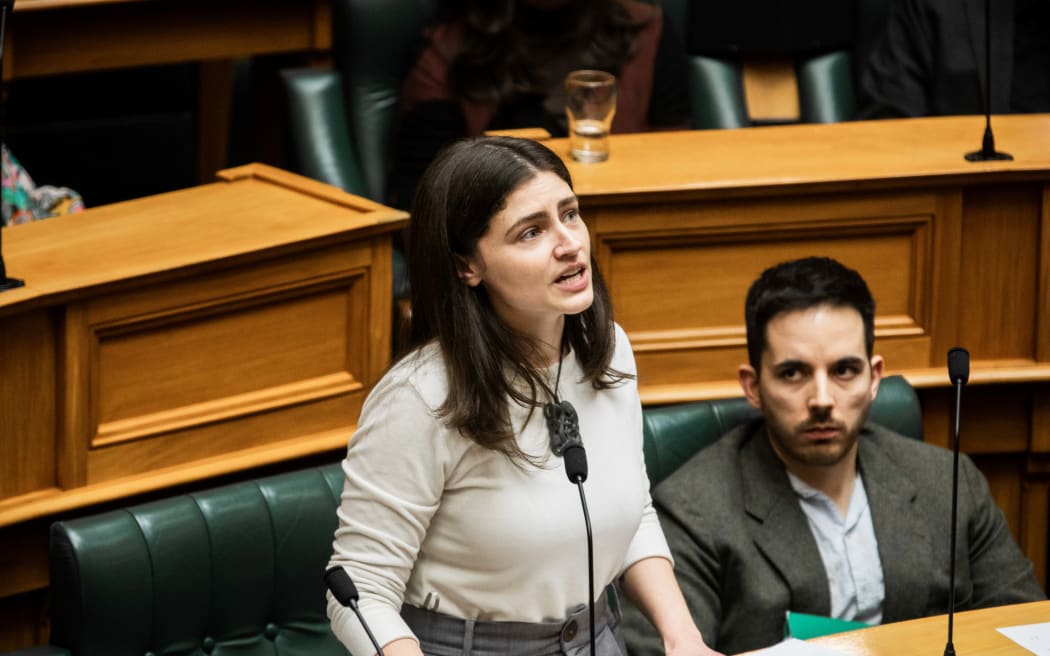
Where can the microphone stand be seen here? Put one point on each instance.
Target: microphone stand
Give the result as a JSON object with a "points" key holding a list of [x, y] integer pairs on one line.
{"points": [[345, 592], [5, 282], [988, 152], [576, 469], [959, 373], [590, 560]]}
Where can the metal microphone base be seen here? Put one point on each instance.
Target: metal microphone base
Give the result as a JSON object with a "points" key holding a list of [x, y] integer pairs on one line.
{"points": [[988, 156], [988, 153], [10, 283], [949, 650]]}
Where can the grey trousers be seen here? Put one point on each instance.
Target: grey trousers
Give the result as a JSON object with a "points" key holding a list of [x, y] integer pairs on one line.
{"points": [[444, 635]]}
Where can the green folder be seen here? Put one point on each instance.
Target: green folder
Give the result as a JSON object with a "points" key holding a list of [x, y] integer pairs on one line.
{"points": [[804, 626]]}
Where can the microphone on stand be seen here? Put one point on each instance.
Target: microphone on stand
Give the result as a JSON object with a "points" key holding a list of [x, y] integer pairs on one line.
{"points": [[5, 282], [564, 427], [958, 374], [987, 152], [576, 470], [345, 592]]}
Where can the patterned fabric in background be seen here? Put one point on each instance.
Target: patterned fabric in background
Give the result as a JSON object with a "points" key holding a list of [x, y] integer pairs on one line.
{"points": [[23, 201]]}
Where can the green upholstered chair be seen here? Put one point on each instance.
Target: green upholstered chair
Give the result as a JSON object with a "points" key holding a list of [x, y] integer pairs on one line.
{"points": [[233, 570], [674, 433], [826, 91], [341, 118]]}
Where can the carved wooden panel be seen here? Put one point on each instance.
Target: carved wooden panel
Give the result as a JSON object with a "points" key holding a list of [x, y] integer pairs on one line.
{"points": [[998, 279], [27, 402], [206, 366], [678, 275]]}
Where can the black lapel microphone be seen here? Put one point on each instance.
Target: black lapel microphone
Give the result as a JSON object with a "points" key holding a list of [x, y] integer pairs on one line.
{"points": [[345, 592], [564, 427], [958, 374]]}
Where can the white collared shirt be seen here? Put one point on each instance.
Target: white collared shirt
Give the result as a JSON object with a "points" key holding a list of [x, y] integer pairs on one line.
{"points": [[849, 549]]}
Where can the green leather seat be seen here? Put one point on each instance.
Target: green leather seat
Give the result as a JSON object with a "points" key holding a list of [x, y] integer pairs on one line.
{"points": [[674, 433], [233, 570]]}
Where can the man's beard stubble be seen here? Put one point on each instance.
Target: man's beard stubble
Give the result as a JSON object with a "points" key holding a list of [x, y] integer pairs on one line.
{"points": [[794, 445]]}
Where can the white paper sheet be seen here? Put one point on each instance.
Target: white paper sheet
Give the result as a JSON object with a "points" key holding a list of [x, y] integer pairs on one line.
{"points": [[1033, 637], [795, 647]]}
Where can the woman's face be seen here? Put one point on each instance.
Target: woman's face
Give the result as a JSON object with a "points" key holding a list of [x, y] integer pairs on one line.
{"points": [[535, 258]]}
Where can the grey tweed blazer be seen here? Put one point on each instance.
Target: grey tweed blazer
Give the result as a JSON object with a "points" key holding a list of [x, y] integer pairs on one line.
{"points": [[744, 553]]}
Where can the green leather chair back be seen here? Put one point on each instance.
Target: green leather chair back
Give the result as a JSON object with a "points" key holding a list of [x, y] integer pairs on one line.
{"points": [[233, 570], [341, 119], [825, 88], [376, 44], [716, 89], [319, 132], [672, 434]]}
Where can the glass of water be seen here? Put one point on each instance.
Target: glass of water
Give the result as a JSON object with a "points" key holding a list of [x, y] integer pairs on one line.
{"points": [[590, 106]]}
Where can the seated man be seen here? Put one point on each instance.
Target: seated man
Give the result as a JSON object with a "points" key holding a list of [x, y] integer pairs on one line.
{"points": [[930, 60], [811, 509]]}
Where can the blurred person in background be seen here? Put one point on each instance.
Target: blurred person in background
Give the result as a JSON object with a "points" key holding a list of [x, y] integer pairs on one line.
{"points": [[501, 64]]}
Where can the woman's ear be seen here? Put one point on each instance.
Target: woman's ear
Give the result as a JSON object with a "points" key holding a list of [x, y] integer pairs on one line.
{"points": [[469, 270]]}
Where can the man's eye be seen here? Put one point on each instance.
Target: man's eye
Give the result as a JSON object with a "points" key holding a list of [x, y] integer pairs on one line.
{"points": [[791, 374], [846, 371]]}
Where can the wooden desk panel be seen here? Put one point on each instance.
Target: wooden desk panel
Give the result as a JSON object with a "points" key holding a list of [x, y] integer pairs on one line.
{"points": [[177, 337], [28, 405], [678, 276], [170, 340], [67, 36], [683, 221]]}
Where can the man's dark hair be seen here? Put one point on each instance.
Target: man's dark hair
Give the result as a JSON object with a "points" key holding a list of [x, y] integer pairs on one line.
{"points": [[799, 285]]}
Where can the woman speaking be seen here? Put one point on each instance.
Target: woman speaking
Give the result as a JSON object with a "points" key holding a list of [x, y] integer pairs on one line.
{"points": [[457, 521]]}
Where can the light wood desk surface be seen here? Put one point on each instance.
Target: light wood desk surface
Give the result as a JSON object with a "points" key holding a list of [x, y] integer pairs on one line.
{"points": [[254, 212], [734, 163], [974, 634]]}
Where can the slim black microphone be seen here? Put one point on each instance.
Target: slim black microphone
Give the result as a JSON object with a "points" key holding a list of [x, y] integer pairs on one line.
{"points": [[987, 152], [958, 374], [345, 592], [576, 470]]}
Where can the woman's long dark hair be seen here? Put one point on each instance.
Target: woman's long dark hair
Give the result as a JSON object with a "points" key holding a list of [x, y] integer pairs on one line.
{"points": [[503, 57], [460, 193]]}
